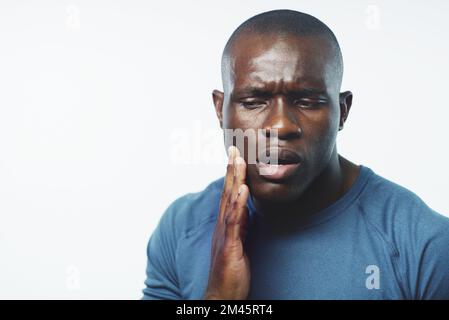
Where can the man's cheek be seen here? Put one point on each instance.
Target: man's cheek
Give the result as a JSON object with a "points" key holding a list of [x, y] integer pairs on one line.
{"points": [[252, 173]]}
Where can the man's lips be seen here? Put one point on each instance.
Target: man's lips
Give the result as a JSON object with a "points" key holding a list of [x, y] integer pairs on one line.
{"points": [[279, 164], [277, 171]]}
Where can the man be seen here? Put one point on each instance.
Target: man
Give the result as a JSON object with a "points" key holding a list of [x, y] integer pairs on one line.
{"points": [[318, 226]]}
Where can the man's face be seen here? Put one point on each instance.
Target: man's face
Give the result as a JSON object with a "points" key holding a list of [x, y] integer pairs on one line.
{"points": [[289, 84]]}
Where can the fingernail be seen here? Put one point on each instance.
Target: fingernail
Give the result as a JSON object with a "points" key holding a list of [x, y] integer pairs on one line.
{"points": [[241, 188]]}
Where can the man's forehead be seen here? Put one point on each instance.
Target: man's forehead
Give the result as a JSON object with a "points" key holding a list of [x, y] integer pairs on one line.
{"points": [[260, 59]]}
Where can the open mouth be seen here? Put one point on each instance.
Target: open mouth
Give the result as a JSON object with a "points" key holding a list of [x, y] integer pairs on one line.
{"points": [[280, 161], [278, 164]]}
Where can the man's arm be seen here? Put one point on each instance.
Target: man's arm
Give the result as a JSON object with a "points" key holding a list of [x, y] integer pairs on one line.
{"points": [[229, 266]]}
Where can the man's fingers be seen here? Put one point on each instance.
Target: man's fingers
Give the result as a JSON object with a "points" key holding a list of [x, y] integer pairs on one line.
{"points": [[237, 215], [228, 182], [236, 150], [239, 176]]}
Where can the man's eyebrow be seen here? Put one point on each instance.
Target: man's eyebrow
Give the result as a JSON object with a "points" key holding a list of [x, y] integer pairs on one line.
{"points": [[261, 91], [308, 90], [252, 91]]}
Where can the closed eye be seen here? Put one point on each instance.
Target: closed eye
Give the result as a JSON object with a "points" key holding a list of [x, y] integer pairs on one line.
{"points": [[253, 103], [309, 102]]}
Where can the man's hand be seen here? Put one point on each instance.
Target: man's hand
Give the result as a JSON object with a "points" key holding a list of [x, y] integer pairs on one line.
{"points": [[229, 276]]}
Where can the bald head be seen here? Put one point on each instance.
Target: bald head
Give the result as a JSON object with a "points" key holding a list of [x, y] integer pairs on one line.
{"points": [[282, 23]]}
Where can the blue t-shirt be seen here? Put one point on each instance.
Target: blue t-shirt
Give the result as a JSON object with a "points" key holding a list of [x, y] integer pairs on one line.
{"points": [[378, 241]]}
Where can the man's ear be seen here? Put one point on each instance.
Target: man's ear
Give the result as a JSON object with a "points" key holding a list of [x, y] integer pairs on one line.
{"points": [[345, 106], [218, 97]]}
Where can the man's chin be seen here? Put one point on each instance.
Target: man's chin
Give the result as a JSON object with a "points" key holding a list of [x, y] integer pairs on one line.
{"points": [[281, 193]]}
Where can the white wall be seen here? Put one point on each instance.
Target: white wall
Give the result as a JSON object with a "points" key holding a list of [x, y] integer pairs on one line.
{"points": [[98, 98]]}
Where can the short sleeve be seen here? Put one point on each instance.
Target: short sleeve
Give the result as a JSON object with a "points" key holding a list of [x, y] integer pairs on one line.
{"points": [[161, 278]]}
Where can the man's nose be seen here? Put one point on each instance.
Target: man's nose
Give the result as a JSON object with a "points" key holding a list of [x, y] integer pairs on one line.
{"points": [[283, 119]]}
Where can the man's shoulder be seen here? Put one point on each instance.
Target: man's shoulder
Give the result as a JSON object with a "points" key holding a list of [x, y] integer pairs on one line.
{"points": [[392, 198], [399, 214], [417, 236], [192, 210]]}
